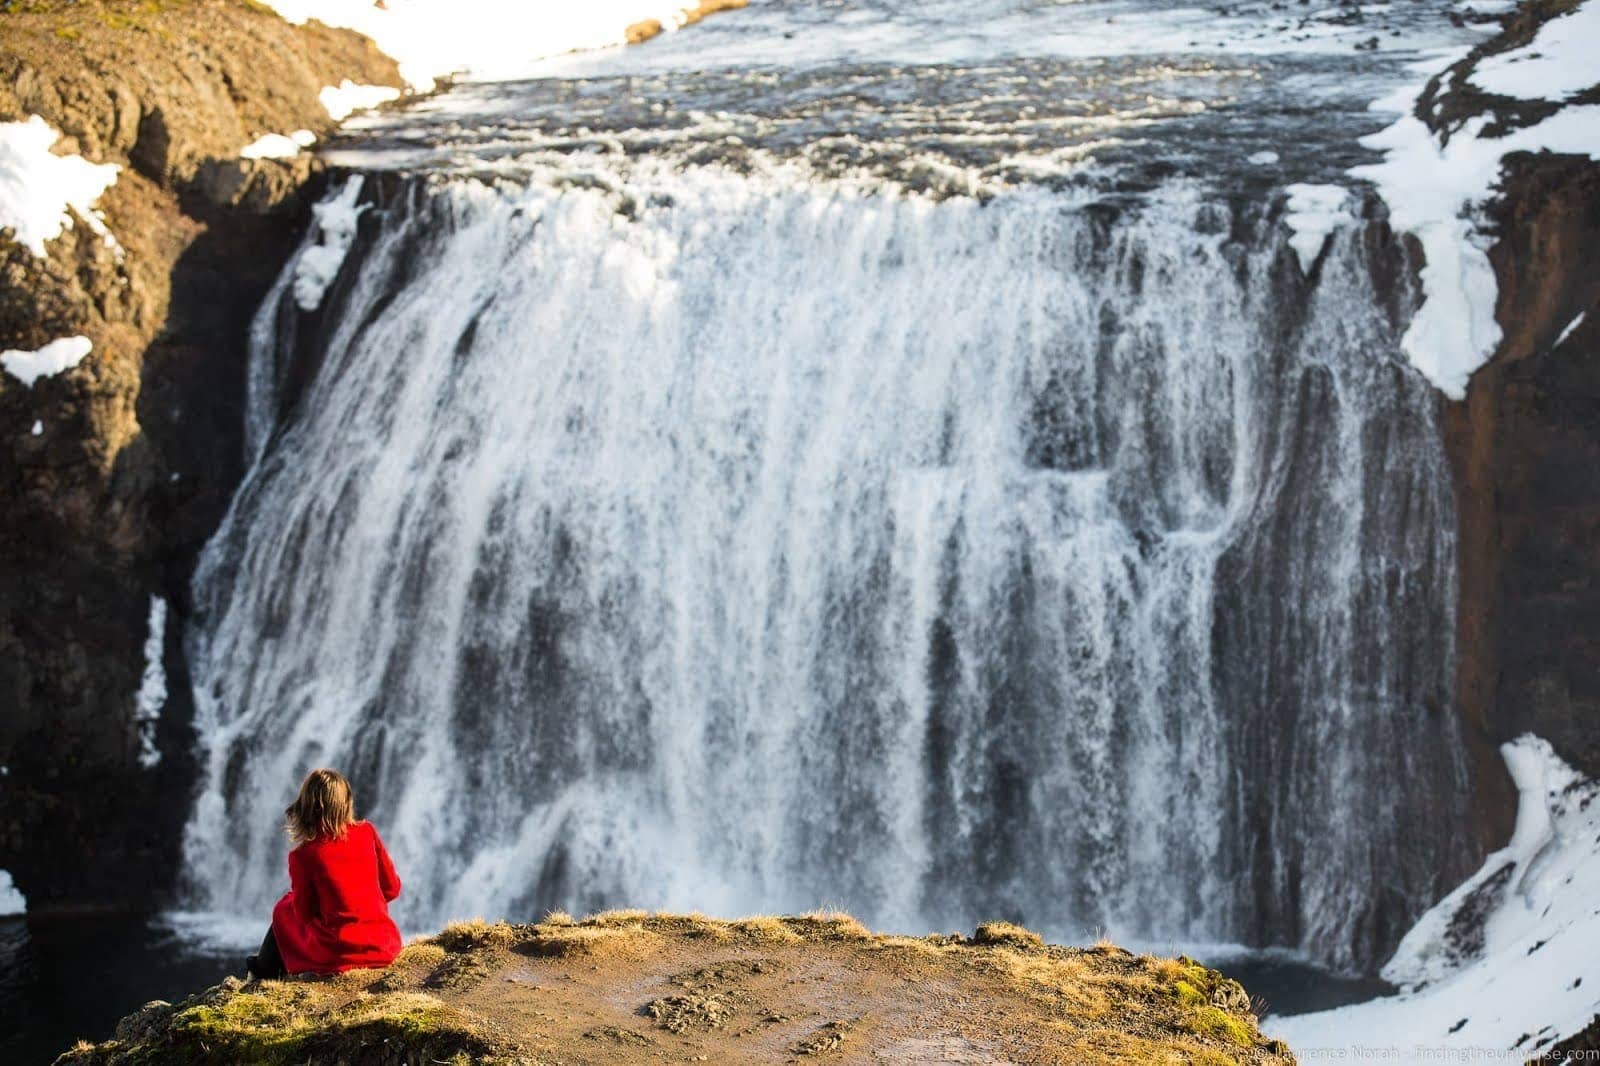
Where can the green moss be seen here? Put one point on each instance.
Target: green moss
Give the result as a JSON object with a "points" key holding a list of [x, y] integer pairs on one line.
{"points": [[250, 1025], [1216, 1022], [1188, 994], [241, 1012], [267, 1027]]}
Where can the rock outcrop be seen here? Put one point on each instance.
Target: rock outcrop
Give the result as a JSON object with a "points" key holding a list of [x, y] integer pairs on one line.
{"points": [[628, 987], [114, 473], [1525, 446]]}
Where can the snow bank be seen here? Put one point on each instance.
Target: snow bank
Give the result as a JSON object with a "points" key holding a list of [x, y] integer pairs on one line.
{"points": [[278, 145], [37, 186], [52, 359], [1506, 964], [1433, 192], [1562, 59], [11, 901], [1314, 211], [347, 97], [151, 698], [486, 38], [318, 265]]}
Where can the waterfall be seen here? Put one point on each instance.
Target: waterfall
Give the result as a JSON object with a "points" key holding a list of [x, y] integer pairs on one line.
{"points": [[754, 543]]}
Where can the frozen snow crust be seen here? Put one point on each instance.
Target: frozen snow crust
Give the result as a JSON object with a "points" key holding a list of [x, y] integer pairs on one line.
{"points": [[37, 187], [1505, 965], [54, 358], [1535, 88]]}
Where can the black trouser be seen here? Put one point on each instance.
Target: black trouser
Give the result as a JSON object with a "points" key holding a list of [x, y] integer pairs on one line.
{"points": [[267, 962]]}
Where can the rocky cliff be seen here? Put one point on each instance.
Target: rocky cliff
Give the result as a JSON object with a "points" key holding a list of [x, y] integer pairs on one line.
{"points": [[631, 987], [113, 473], [1525, 445]]}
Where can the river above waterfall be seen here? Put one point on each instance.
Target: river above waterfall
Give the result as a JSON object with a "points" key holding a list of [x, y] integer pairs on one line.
{"points": [[927, 477]]}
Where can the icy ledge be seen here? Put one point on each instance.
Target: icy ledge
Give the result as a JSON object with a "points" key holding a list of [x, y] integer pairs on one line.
{"points": [[1506, 964]]}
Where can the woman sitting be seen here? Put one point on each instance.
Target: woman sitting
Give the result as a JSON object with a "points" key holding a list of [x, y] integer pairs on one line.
{"points": [[335, 916]]}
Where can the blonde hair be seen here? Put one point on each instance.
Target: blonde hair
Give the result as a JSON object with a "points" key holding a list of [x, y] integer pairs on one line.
{"points": [[324, 809]]}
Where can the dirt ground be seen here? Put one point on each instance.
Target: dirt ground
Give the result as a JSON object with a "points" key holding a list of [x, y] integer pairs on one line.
{"points": [[626, 987]]}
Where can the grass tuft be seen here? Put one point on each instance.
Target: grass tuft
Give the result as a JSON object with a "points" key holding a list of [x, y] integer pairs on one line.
{"points": [[1006, 934], [474, 934], [764, 929]]}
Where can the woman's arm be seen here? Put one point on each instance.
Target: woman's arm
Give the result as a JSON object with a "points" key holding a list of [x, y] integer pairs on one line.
{"points": [[388, 880], [302, 888]]}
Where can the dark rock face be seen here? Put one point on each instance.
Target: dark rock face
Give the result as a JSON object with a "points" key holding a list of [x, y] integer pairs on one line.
{"points": [[1525, 450], [1576, 1048], [140, 446]]}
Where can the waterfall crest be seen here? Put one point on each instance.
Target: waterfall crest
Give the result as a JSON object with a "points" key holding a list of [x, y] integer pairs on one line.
{"points": [[753, 545]]}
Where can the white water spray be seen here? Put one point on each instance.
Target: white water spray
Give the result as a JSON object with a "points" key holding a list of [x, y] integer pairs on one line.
{"points": [[751, 544]]}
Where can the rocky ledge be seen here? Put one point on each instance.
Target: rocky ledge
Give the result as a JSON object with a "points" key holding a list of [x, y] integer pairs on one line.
{"points": [[113, 473], [627, 987]]}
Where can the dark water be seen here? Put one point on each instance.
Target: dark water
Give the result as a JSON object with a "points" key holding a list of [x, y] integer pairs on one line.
{"points": [[1281, 986], [72, 979]]}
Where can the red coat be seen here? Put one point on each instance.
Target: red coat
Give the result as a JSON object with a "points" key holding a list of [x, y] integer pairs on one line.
{"points": [[335, 916]]}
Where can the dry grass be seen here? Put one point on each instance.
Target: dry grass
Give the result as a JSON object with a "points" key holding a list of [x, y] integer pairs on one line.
{"points": [[828, 925], [812, 984], [1008, 935], [764, 929], [611, 919], [474, 934], [421, 953]]}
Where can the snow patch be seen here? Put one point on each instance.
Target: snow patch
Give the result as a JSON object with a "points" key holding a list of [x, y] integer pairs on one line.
{"points": [[37, 186], [54, 358], [1263, 158], [12, 902], [38, 428], [347, 97], [318, 265], [1314, 211], [151, 698], [1503, 966], [279, 145], [1574, 324], [1560, 60], [1434, 192]]}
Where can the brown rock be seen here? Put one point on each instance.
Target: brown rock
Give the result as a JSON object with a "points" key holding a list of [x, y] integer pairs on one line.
{"points": [[139, 446]]}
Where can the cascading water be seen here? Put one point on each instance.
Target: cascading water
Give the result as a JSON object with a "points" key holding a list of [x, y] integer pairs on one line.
{"points": [[760, 542]]}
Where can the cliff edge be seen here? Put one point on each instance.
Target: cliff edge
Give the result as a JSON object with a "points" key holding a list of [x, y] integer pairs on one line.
{"points": [[114, 471], [630, 987], [1525, 442]]}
